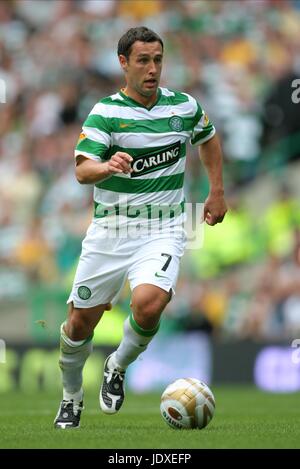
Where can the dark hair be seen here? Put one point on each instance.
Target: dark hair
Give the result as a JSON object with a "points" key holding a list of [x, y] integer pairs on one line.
{"points": [[142, 34]]}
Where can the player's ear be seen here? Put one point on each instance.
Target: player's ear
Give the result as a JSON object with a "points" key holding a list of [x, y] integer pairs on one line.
{"points": [[123, 62]]}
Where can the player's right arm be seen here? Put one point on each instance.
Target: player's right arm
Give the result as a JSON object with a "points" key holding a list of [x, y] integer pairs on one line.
{"points": [[91, 164], [89, 171]]}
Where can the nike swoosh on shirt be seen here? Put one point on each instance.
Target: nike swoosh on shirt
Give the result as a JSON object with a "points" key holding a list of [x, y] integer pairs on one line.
{"points": [[162, 276], [125, 125]]}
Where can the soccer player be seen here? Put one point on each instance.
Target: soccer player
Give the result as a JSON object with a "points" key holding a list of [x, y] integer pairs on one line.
{"points": [[133, 149]]}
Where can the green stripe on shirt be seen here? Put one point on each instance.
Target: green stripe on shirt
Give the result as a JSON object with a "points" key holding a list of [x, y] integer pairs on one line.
{"points": [[90, 146], [142, 126], [131, 186], [148, 211]]}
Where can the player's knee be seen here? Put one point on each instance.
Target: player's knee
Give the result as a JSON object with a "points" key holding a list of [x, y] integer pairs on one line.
{"points": [[77, 327], [147, 309]]}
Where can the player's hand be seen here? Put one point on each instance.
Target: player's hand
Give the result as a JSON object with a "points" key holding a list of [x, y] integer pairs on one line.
{"points": [[119, 163], [215, 209]]}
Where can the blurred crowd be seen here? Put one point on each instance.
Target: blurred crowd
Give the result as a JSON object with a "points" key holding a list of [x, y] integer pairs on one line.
{"points": [[238, 58]]}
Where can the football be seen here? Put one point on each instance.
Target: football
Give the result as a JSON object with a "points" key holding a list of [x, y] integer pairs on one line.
{"points": [[187, 403]]}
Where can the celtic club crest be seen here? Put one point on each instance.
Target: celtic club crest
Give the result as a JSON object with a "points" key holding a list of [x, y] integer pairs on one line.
{"points": [[84, 292], [176, 123]]}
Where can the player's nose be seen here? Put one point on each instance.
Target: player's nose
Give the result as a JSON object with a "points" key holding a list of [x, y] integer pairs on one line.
{"points": [[153, 68]]}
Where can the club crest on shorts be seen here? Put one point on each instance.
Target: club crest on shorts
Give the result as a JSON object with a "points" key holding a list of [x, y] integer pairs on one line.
{"points": [[176, 123], [84, 292]]}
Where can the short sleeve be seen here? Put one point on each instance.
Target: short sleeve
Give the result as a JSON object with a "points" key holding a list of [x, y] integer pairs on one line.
{"points": [[95, 137], [203, 128]]}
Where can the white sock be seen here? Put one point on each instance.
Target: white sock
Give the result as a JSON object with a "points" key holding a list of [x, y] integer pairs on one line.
{"points": [[77, 396], [135, 341], [73, 355]]}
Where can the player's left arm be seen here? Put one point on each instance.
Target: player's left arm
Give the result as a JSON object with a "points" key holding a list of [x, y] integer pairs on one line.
{"points": [[215, 206]]}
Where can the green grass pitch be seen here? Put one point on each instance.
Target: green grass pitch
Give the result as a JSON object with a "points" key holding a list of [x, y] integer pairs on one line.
{"points": [[245, 418]]}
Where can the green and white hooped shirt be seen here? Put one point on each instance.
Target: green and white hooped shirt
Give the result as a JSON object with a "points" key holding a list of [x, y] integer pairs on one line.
{"points": [[156, 138]]}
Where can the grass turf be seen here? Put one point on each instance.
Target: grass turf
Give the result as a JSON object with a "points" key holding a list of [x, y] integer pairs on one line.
{"points": [[244, 418]]}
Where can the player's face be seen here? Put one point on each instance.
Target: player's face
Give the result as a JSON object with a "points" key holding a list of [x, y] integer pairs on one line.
{"points": [[143, 68]]}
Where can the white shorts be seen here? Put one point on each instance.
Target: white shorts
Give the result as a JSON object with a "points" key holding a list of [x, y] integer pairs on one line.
{"points": [[106, 263]]}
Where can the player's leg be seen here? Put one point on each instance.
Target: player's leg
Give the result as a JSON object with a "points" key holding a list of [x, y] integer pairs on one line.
{"points": [[148, 302], [75, 348], [153, 279], [99, 278], [152, 276]]}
